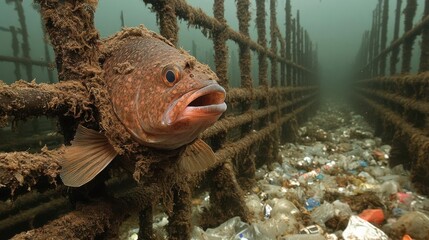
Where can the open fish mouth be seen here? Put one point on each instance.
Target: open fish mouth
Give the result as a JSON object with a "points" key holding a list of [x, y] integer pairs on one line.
{"points": [[208, 100], [205, 104]]}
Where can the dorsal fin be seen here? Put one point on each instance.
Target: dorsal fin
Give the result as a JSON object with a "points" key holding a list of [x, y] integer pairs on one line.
{"points": [[88, 155], [197, 157]]}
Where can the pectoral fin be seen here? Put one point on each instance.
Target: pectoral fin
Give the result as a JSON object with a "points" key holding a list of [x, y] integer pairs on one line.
{"points": [[88, 155], [197, 157]]}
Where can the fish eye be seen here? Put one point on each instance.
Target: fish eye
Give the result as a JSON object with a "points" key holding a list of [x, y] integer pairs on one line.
{"points": [[171, 74]]}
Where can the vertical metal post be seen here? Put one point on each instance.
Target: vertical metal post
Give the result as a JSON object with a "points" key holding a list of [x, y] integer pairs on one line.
{"points": [[15, 49], [371, 47], [294, 51], [288, 42], [262, 40], [194, 49], [283, 56], [219, 44], [395, 52], [424, 57], [243, 15], [407, 47], [298, 48], [274, 80], [25, 43], [168, 21], [122, 19], [377, 37], [384, 36], [220, 57]]}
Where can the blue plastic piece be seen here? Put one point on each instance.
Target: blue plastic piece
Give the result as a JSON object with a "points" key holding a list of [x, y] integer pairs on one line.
{"points": [[311, 204]]}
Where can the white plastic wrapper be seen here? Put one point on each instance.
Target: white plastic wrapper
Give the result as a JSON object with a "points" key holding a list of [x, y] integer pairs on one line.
{"points": [[359, 229]]}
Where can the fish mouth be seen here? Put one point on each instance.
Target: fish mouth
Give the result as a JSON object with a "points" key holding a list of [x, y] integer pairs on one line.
{"points": [[200, 105]]}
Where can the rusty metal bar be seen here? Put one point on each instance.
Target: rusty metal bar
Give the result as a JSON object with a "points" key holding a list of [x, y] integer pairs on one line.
{"points": [[22, 168], [407, 47], [294, 52], [24, 60], [283, 55], [260, 93], [167, 20], [49, 69], [219, 44], [288, 9], [179, 226], [368, 69], [395, 52], [385, 19], [401, 80], [25, 43], [301, 52], [243, 15], [424, 55], [273, 22], [260, 25], [263, 69], [226, 199], [15, 49], [23, 99], [298, 48], [274, 79], [405, 102], [378, 11], [26, 216], [220, 57], [88, 222], [121, 17]]}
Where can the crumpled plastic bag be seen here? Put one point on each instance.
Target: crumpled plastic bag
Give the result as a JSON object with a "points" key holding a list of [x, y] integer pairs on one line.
{"points": [[359, 229]]}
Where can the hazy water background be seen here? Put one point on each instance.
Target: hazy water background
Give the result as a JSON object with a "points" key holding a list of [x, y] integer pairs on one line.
{"points": [[336, 26]]}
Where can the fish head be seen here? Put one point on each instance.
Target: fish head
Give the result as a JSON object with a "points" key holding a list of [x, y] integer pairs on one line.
{"points": [[168, 97]]}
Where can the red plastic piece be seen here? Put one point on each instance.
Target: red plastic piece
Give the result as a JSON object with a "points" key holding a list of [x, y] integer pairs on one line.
{"points": [[375, 216], [406, 237]]}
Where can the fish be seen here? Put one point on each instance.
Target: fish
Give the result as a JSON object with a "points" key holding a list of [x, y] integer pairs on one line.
{"points": [[162, 96]]}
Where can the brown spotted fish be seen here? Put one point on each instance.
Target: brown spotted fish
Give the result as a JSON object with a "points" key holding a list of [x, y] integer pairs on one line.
{"points": [[163, 97]]}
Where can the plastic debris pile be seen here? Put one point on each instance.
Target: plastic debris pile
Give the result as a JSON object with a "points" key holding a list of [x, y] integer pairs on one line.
{"points": [[334, 183]]}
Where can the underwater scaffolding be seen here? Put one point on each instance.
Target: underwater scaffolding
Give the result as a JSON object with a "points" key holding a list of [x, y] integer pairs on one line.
{"points": [[258, 120], [400, 100]]}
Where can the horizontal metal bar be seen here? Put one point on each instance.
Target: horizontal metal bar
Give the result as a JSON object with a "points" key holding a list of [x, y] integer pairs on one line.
{"points": [[228, 123], [405, 102], [23, 99], [25, 61], [410, 79], [242, 94], [20, 168], [30, 214], [229, 151], [411, 132]]}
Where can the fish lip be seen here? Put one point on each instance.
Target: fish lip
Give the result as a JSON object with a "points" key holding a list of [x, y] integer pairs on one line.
{"points": [[208, 101]]}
